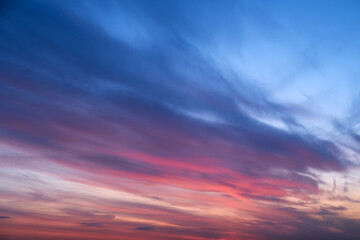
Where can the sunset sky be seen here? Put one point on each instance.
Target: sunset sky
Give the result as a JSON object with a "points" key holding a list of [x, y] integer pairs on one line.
{"points": [[179, 120]]}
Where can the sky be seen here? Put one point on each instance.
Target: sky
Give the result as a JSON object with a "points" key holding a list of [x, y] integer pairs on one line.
{"points": [[181, 120]]}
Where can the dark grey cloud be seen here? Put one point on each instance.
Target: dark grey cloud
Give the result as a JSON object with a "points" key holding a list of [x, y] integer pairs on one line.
{"points": [[145, 228], [330, 226]]}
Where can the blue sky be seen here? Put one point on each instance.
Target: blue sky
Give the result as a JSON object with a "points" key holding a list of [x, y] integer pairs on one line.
{"points": [[179, 119]]}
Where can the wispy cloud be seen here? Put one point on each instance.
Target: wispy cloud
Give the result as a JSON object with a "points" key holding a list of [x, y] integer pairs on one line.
{"points": [[134, 113]]}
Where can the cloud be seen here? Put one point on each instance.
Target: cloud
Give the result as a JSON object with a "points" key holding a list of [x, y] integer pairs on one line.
{"points": [[91, 224], [129, 96], [145, 228], [78, 212], [135, 97]]}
